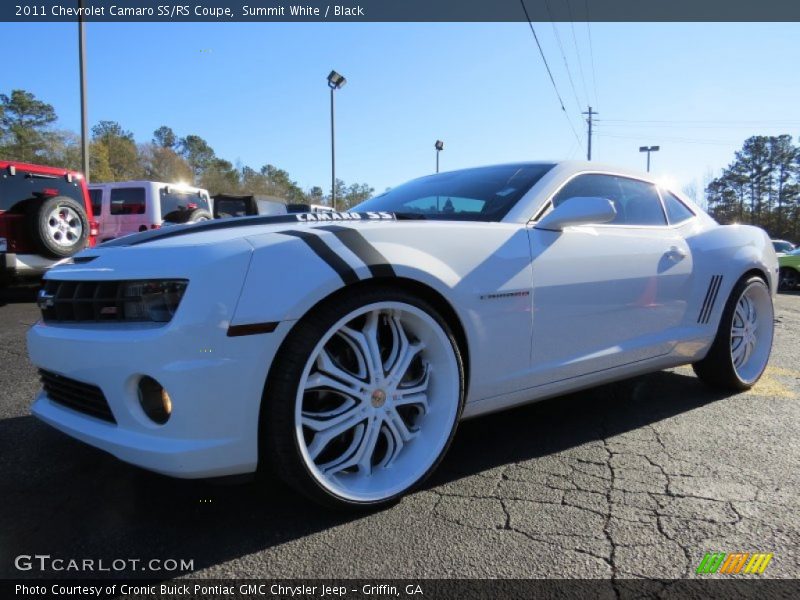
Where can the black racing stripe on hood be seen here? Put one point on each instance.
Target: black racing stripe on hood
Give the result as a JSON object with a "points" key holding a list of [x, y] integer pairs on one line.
{"points": [[366, 252], [155, 235]]}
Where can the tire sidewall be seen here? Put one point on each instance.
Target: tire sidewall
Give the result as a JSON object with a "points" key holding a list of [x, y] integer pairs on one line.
{"points": [[199, 215], [278, 424], [724, 334], [39, 215]]}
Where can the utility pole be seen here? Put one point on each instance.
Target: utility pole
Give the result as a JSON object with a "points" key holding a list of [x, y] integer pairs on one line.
{"points": [[84, 116], [589, 113]]}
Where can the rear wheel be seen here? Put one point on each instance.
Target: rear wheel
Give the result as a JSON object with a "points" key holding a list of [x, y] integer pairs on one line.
{"points": [[364, 400], [741, 349]]}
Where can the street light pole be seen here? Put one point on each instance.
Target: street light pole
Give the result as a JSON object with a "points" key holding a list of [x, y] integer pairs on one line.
{"points": [[335, 81], [649, 149], [439, 145], [333, 153], [84, 115]]}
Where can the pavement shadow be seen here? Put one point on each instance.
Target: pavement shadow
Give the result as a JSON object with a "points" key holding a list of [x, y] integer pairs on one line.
{"points": [[63, 498], [554, 425]]}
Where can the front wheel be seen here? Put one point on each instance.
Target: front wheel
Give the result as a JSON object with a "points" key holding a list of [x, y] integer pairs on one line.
{"points": [[364, 399], [741, 349]]}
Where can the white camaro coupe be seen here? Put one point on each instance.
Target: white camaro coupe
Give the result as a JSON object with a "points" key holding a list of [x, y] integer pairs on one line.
{"points": [[342, 349]]}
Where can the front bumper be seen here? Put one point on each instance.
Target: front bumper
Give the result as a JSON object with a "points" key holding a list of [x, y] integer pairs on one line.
{"points": [[215, 383]]}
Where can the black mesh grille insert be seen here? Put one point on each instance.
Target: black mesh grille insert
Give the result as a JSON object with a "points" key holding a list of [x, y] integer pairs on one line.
{"points": [[81, 300], [83, 397]]}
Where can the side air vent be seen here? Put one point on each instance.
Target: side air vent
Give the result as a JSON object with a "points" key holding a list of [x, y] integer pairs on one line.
{"points": [[710, 299]]}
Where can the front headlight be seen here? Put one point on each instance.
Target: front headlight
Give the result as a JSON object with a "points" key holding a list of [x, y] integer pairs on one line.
{"points": [[82, 301], [151, 300]]}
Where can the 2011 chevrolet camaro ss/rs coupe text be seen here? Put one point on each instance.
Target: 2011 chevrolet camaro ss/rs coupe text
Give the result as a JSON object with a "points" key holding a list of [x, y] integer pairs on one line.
{"points": [[342, 349]]}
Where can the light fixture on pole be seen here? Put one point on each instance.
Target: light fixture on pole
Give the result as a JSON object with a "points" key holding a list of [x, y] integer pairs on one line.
{"points": [[649, 149], [439, 145], [335, 81]]}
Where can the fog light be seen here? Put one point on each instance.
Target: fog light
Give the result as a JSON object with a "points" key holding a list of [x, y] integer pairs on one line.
{"points": [[155, 400]]}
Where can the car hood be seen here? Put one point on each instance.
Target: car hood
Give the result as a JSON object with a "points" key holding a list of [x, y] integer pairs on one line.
{"points": [[222, 230]]}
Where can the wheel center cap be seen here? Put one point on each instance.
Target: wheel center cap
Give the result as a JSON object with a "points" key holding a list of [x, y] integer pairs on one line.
{"points": [[378, 398]]}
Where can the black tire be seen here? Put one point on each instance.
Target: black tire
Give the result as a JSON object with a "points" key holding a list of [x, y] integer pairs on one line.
{"points": [[717, 369], [198, 214], [788, 279], [40, 215], [280, 453], [184, 217]]}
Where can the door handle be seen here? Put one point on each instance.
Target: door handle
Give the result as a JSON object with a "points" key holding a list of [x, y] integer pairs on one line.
{"points": [[676, 254]]}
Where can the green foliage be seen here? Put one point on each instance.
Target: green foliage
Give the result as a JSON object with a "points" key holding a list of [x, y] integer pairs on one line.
{"points": [[760, 187], [25, 126], [161, 163], [164, 137], [197, 153], [26, 134], [348, 197], [121, 156]]}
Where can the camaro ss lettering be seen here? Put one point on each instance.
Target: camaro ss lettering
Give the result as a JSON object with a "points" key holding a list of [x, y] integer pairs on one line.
{"points": [[343, 216]]}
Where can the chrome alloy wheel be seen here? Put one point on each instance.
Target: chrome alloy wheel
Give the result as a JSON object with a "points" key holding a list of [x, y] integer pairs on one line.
{"points": [[751, 332], [64, 226], [377, 401]]}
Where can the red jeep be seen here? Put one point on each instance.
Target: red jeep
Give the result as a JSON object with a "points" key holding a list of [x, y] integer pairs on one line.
{"points": [[45, 216]]}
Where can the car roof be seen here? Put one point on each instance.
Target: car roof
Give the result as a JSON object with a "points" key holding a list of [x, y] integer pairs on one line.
{"points": [[142, 182], [44, 169]]}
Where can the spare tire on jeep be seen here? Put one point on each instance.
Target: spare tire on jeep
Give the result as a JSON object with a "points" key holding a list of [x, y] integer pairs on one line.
{"points": [[59, 226], [184, 216]]}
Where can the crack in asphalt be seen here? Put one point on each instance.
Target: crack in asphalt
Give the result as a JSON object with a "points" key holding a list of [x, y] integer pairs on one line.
{"points": [[614, 480]]}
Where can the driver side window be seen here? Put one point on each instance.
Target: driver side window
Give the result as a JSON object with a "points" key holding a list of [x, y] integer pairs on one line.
{"points": [[636, 202]]}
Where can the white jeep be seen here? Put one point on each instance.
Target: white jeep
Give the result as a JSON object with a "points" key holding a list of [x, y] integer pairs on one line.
{"points": [[132, 206]]}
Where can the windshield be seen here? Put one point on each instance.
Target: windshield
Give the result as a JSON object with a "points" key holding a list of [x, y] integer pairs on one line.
{"points": [[175, 202], [783, 246], [479, 194]]}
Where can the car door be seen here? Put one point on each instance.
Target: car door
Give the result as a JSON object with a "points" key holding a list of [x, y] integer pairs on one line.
{"points": [[609, 294]]}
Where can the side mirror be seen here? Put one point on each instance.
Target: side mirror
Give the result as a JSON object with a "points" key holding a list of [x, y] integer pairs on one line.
{"points": [[580, 210]]}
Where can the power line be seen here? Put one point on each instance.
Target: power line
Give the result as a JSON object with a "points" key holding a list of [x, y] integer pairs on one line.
{"points": [[549, 72], [680, 140], [720, 122], [577, 50], [591, 53], [578, 103], [695, 126]]}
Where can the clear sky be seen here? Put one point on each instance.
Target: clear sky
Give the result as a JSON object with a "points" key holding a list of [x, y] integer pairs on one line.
{"points": [[257, 92]]}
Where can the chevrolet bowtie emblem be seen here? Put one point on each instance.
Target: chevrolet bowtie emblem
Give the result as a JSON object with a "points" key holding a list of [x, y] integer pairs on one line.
{"points": [[45, 300]]}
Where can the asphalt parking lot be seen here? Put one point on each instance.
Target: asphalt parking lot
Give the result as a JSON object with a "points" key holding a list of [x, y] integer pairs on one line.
{"points": [[637, 479]]}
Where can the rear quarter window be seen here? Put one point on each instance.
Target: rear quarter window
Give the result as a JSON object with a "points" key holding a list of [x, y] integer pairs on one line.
{"points": [[677, 211]]}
